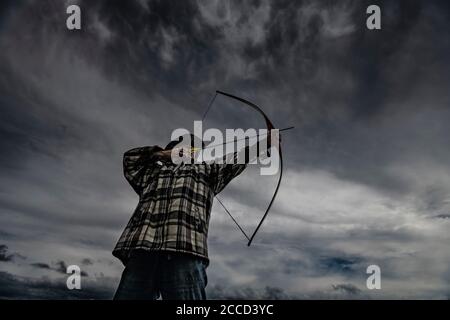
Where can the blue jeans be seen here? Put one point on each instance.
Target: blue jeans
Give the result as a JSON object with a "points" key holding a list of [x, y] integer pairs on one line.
{"points": [[174, 276]]}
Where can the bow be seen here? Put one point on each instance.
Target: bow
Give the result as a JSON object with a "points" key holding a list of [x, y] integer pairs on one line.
{"points": [[270, 126]]}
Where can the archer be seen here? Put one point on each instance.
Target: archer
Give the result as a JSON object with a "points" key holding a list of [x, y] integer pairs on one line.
{"points": [[164, 245]]}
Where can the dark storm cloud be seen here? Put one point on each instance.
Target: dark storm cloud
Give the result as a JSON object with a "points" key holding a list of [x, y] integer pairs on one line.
{"points": [[41, 265], [6, 8], [123, 39], [368, 159], [347, 288], [341, 265], [61, 267], [6, 256], [311, 54], [87, 262], [316, 54], [442, 216], [268, 293], [15, 287], [338, 291]]}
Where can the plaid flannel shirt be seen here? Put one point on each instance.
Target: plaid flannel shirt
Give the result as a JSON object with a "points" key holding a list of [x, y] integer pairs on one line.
{"points": [[174, 203]]}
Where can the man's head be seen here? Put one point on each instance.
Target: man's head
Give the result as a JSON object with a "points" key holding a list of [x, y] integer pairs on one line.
{"points": [[186, 143]]}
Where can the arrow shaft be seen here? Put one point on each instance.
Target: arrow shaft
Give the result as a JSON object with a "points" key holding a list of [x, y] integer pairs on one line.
{"points": [[227, 142]]}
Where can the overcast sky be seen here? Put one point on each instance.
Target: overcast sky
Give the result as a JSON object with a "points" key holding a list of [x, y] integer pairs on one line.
{"points": [[367, 167]]}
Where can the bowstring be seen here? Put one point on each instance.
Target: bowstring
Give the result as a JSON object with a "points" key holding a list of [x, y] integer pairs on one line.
{"points": [[234, 220], [218, 199], [209, 106]]}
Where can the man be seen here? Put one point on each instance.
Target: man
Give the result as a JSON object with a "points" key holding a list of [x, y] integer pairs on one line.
{"points": [[164, 245]]}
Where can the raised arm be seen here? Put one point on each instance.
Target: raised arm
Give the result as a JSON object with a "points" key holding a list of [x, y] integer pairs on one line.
{"points": [[138, 165]]}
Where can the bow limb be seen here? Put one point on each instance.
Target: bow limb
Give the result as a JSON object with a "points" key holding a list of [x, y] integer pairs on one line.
{"points": [[270, 126], [272, 200]]}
